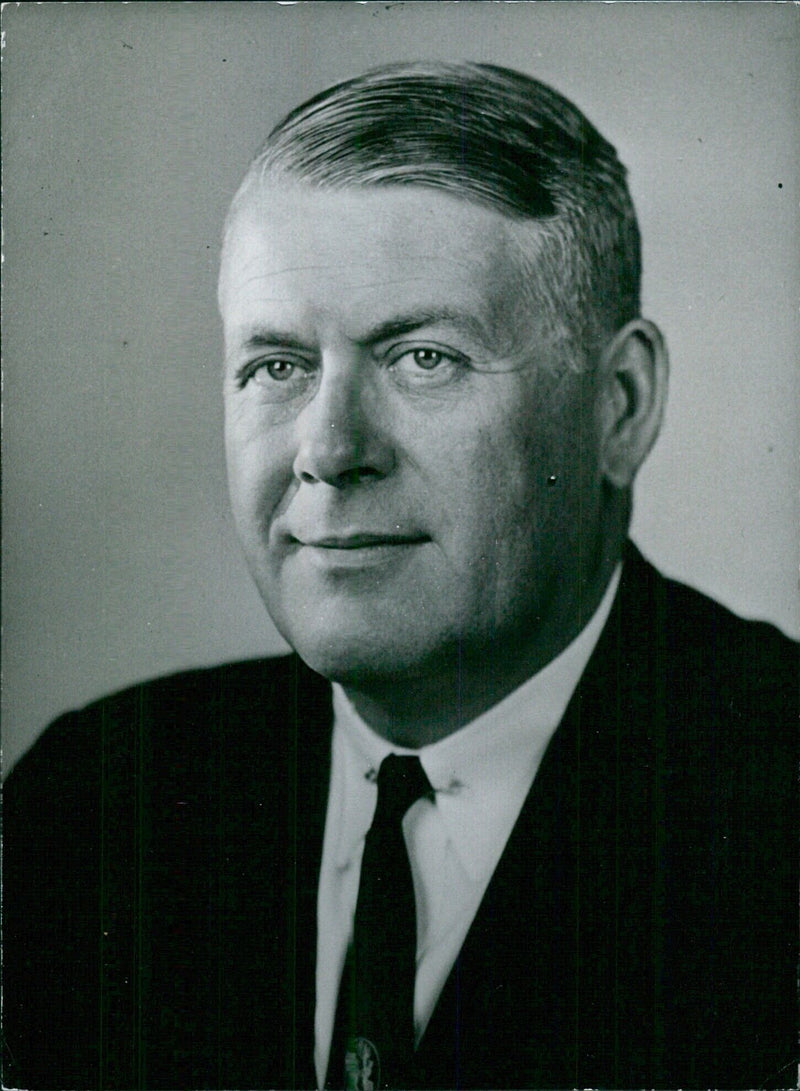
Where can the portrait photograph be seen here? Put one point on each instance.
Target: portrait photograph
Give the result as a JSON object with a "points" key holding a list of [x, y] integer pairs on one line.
{"points": [[401, 528]]}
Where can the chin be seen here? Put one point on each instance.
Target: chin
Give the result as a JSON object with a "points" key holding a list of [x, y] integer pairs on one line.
{"points": [[350, 660], [363, 651], [345, 637]]}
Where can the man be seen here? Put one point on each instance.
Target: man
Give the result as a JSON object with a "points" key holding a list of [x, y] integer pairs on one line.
{"points": [[438, 391]]}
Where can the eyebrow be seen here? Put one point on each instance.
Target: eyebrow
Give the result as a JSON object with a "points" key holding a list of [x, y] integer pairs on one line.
{"points": [[396, 326], [263, 338], [414, 320]]}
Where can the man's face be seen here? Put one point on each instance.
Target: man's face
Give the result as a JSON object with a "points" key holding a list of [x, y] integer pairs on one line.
{"points": [[412, 474]]}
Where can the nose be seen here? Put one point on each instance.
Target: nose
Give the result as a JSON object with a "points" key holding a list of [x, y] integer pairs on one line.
{"points": [[340, 441]]}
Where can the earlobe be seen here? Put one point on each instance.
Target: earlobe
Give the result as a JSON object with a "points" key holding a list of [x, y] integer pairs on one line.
{"points": [[633, 386]]}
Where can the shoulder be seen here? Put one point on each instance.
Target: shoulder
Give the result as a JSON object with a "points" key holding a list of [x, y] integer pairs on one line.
{"points": [[719, 772], [702, 646], [203, 691], [163, 764], [171, 725], [709, 703], [152, 827], [713, 700]]}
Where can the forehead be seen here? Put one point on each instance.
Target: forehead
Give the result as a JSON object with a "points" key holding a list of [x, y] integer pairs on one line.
{"points": [[349, 252]]}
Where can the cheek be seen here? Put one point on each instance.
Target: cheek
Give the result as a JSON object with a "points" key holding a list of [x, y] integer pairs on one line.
{"points": [[526, 484], [259, 472], [490, 511], [508, 467]]}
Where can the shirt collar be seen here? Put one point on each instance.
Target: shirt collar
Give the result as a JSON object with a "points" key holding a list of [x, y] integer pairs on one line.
{"points": [[481, 773]]}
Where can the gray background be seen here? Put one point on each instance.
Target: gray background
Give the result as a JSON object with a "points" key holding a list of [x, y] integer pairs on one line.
{"points": [[126, 129]]}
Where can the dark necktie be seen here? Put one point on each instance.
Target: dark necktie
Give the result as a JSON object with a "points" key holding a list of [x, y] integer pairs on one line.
{"points": [[375, 1020]]}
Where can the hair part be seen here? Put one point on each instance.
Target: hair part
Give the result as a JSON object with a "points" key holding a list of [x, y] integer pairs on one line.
{"points": [[495, 137]]}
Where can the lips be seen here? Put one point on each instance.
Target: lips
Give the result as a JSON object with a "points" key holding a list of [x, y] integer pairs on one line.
{"points": [[346, 554], [362, 540]]}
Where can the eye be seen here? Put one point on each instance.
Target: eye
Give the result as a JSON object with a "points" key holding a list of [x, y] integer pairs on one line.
{"points": [[277, 378], [426, 364], [278, 371], [427, 359]]}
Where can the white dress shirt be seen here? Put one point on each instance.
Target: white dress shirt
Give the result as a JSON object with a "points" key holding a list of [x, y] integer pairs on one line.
{"points": [[481, 775]]}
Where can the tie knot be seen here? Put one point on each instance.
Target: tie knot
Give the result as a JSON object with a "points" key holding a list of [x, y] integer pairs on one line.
{"points": [[401, 782]]}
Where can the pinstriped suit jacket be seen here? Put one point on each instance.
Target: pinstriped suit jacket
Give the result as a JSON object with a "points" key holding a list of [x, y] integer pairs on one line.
{"points": [[163, 847]]}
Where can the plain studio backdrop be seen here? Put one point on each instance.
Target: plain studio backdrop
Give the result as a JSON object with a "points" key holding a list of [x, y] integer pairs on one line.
{"points": [[126, 130]]}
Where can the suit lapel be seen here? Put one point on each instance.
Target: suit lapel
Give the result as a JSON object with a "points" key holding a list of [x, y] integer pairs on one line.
{"points": [[497, 1016], [536, 994], [312, 720]]}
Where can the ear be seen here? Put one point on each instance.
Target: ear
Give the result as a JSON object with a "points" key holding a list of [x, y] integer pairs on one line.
{"points": [[633, 374]]}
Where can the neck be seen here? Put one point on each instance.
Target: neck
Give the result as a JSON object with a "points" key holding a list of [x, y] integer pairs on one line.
{"points": [[465, 682]]}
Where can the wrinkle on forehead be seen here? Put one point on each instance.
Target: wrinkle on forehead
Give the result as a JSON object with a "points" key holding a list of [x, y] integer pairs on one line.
{"points": [[357, 285], [396, 219], [456, 254], [327, 266], [361, 274]]}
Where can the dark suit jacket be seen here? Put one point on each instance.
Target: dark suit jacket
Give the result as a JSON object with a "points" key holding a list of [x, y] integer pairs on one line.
{"points": [[163, 846]]}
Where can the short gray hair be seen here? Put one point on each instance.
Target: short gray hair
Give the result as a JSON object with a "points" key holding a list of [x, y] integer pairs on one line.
{"points": [[493, 136]]}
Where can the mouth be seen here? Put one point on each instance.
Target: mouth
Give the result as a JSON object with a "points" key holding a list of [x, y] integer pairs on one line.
{"points": [[358, 549], [362, 541]]}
